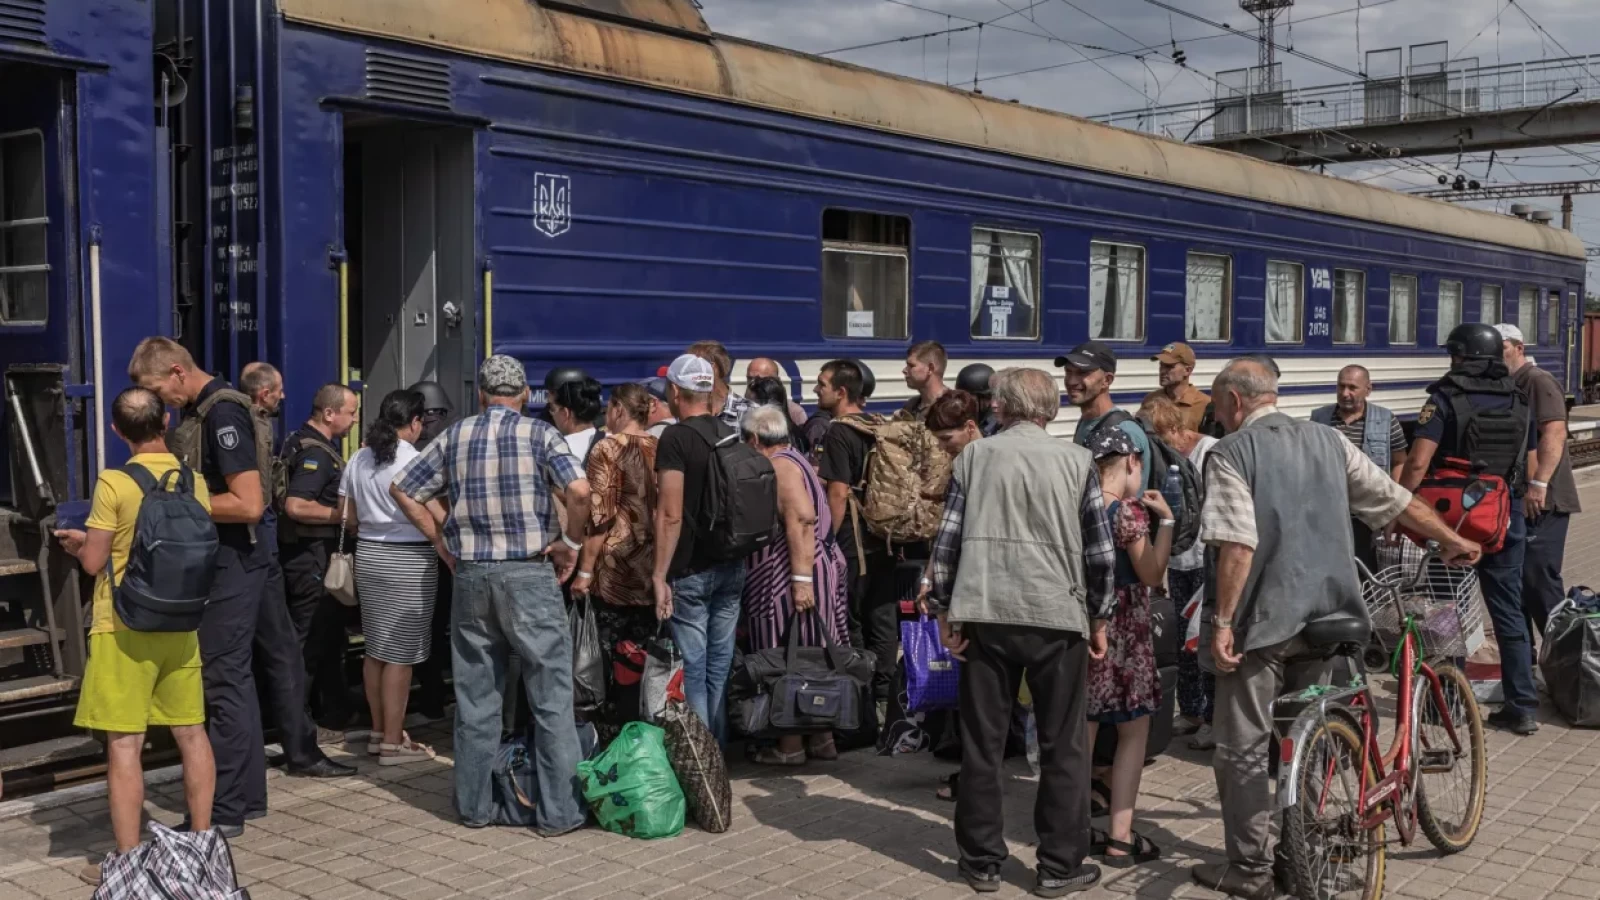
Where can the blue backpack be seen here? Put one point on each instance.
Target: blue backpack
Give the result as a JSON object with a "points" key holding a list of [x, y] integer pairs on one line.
{"points": [[173, 558]]}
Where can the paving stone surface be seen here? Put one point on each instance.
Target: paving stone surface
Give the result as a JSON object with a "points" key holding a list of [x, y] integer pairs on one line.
{"points": [[865, 826]]}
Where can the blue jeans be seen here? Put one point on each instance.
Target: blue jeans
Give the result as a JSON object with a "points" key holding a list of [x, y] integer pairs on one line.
{"points": [[1501, 577], [501, 608], [705, 613]]}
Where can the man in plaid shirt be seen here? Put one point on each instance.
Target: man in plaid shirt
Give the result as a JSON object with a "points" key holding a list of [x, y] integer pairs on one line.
{"points": [[1024, 579], [499, 471]]}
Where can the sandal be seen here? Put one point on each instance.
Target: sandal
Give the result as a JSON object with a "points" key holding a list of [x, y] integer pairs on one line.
{"points": [[1141, 851], [375, 742], [948, 792], [824, 750], [772, 756], [1098, 842], [407, 751], [1099, 789]]}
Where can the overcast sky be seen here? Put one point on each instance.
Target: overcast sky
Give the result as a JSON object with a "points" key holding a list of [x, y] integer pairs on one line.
{"points": [[1023, 54]]}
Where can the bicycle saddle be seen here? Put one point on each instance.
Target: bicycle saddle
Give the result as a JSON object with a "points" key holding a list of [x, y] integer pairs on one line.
{"points": [[1334, 632]]}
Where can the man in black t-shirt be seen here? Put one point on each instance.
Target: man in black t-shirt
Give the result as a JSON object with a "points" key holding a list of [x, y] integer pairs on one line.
{"points": [[308, 533], [874, 602], [699, 593]]}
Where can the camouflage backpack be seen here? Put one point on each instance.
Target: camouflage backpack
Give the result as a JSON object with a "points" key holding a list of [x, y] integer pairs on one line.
{"points": [[904, 479]]}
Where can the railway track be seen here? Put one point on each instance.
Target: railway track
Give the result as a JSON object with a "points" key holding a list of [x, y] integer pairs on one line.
{"points": [[1584, 451]]}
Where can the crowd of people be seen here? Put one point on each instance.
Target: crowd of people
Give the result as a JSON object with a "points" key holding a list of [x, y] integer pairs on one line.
{"points": [[1042, 557]]}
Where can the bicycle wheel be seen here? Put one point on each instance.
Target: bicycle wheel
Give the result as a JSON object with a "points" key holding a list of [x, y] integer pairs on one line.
{"points": [[1330, 853], [1451, 783]]}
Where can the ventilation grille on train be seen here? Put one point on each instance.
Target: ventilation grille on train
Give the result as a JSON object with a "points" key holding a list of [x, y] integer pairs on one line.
{"points": [[409, 80], [22, 21]]}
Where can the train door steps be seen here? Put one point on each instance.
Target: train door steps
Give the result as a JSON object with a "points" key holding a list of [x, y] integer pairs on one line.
{"points": [[46, 753], [23, 637], [17, 567], [36, 688]]}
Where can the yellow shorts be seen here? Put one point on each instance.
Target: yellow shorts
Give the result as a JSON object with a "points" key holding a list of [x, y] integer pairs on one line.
{"points": [[136, 679]]}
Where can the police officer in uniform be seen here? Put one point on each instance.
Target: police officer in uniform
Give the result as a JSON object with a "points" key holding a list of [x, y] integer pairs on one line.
{"points": [[1503, 441], [308, 533], [431, 695]]}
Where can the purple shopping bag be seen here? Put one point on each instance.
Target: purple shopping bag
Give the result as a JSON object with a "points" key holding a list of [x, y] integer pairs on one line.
{"points": [[932, 674]]}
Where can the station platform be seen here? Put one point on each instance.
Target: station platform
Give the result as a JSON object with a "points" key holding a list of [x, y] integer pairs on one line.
{"points": [[864, 826]]}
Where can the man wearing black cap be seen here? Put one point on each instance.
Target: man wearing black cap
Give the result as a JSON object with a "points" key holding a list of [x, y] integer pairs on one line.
{"points": [[1089, 371]]}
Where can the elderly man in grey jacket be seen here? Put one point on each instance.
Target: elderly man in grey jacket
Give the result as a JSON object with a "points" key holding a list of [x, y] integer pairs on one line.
{"points": [[1281, 565], [1024, 580]]}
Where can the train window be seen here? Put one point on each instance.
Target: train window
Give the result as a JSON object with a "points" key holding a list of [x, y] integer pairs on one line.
{"points": [[1285, 302], [1528, 313], [865, 264], [1208, 312], [1402, 309], [24, 263], [1490, 305], [1449, 309], [1005, 284], [1349, 306], [1116, 291], [1552, 320]]}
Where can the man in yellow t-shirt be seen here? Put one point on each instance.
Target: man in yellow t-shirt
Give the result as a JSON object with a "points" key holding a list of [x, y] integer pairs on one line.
{"points": [[136, 679]]}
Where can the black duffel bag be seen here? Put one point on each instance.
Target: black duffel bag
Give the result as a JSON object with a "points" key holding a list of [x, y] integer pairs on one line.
{"points": [[799, 690]]}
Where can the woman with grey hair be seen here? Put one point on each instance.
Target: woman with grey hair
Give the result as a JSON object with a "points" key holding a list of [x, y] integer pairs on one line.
{"points": [[804, 574]]}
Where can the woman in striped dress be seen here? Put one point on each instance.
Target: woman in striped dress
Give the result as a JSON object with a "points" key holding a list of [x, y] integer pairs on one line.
{"points": [[397, 573], [805, 573]]}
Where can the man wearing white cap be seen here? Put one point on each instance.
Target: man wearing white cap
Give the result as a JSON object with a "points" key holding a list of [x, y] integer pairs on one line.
{"points": [[1552, 495], [695, 586]]}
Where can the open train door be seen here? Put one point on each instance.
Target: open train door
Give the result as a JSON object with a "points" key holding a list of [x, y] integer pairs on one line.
{"points": [[410, 214], [1571, 325]]}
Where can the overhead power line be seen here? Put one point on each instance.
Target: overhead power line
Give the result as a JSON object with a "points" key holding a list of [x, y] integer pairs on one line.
{"points": [[1508, 191]]}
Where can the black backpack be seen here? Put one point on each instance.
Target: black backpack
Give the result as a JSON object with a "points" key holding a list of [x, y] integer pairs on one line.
{"points": [[173, 558], [1162, 456], [739, 508]]}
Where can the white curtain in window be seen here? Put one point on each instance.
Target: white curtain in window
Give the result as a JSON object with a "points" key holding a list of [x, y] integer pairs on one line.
{"points": [[1205, 312], [1402, 310], [1283, 302], [1114, 272], [1528, 313], [1017, 252], [980, 269], [1349, 296], [1449, 309], [1489, 306]]}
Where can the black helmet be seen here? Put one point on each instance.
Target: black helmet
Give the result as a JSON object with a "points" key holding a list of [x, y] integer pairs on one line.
{"points": [[868, 382], [561, 375], [433, 395], [974, 379], [1475, 340]]}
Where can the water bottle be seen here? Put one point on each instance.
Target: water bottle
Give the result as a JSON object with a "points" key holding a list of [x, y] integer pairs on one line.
{"points": [[1172, 490]]}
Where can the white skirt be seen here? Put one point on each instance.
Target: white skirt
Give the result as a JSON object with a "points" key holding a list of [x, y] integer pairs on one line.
{"points": [[397, 585]]}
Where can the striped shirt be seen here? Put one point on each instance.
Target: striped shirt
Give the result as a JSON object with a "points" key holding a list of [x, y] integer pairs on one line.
{"points": [[1229, 514], [1356, 433], [496, 470]]}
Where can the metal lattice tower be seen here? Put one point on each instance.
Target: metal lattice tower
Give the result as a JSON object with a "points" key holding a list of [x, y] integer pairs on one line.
{"points": [[1266, 12]]}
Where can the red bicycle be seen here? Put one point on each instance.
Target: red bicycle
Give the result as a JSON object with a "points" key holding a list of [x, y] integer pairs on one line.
{"points": [[1337, 787]]}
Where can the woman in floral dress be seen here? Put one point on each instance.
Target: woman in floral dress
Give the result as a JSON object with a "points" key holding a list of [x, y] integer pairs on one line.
{"points": [[1124, 687]]}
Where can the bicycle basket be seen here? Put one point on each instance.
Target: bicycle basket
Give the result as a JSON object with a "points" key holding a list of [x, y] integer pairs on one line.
{"points": [[1444, 602]]}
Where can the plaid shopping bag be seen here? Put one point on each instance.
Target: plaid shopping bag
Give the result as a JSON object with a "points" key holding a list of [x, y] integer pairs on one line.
{"points": [[173, 864], [932, 674]]}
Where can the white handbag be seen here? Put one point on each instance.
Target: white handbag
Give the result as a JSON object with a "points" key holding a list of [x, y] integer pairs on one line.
{"points": [[340, 580]]}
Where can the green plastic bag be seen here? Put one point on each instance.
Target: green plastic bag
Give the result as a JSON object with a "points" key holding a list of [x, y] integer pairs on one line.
{"points": [[630, 787]]}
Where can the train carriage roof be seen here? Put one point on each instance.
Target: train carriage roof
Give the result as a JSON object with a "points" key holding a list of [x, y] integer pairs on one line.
{"points": [[665, 44]]}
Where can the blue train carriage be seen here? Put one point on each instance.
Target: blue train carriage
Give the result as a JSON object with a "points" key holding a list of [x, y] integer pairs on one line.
{"points": [[603, 182]]}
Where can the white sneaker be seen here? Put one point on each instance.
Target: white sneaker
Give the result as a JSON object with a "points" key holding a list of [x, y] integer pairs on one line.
{"points": [[1203, 739]]}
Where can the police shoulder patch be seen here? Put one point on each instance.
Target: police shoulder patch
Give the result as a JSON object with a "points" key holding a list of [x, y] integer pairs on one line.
{"points": [[1426, 415], [309, 465], [228, 437]]}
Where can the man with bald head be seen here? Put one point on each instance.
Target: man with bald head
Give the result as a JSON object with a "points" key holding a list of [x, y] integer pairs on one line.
{"points": [[762, 367], [1374, 430], [263, 384], [1284, 585]]}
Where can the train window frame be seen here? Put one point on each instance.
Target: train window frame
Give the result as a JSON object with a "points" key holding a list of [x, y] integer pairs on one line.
{"points": [[1299, 310], [1037, 325], [1528, 313], [857, 248], [40, 221], [1552, 318], [1499, 303], [1226, 321], [1395, 278], [1142, 298], [1441, 333], [1361, 308]]}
